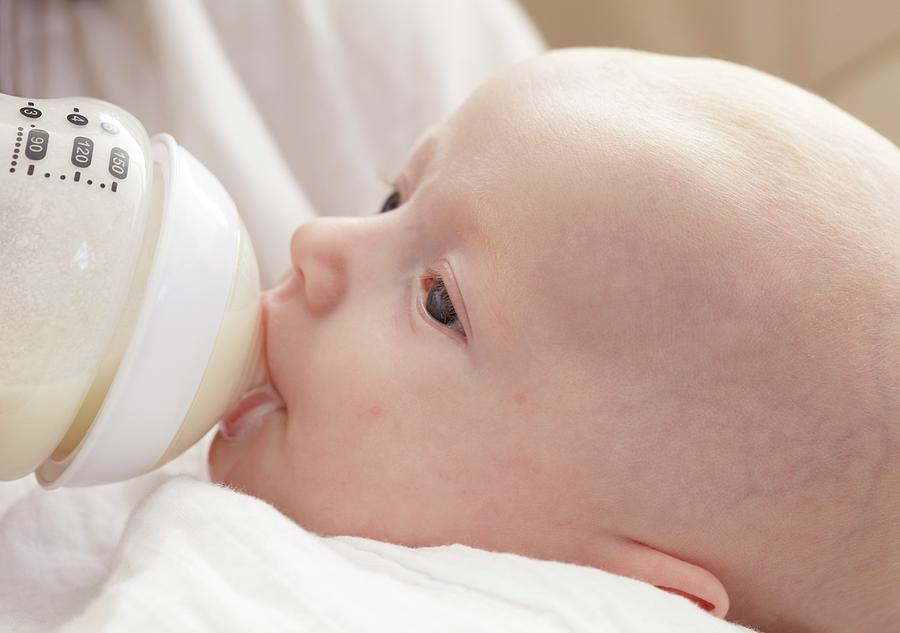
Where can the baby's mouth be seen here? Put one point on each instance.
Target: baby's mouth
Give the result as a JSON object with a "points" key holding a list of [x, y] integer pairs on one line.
{"points": [[246, 416]]}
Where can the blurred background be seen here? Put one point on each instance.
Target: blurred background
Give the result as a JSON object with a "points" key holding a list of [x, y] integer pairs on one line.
{"points": [[847, 51]]}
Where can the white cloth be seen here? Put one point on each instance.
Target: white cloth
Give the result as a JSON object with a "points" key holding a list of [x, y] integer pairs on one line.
{"points": [[193, 556], [295, 105], [299, 107]]}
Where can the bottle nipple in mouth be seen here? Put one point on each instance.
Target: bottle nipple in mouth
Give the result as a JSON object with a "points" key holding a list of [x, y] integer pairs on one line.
{"points": [[246, 416]]}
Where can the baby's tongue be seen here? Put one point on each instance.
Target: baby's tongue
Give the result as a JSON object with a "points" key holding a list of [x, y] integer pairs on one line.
{"points": [[248, 413]]}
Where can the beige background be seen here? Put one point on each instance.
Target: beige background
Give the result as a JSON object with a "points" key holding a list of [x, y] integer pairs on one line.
{"points": [[847, 51]]}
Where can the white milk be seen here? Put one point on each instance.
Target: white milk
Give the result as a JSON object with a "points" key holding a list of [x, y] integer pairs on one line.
{"points": [[56, 365], [41, 406], [34, 418]]}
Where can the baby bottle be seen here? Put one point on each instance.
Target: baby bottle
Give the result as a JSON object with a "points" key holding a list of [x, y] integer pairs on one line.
{"points": [[129, 295]]}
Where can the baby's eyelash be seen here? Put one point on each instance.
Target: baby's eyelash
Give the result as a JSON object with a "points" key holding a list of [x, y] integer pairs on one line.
{"points": [[435, 278], [446, 302]]}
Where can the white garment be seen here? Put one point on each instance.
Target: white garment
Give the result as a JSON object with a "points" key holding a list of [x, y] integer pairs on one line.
{"points": [[198, 557], [299, 107], [295, 105]]}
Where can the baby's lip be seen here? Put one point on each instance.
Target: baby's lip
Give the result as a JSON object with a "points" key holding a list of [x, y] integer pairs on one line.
{"points": [[249, 411], [291, 283], [271, 300]]}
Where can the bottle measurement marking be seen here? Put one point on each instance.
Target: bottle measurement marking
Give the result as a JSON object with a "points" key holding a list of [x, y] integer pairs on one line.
{"points": [[36, 145], [82, 152], [14, 160], [82, 155], [118, 163], [113, 186]]}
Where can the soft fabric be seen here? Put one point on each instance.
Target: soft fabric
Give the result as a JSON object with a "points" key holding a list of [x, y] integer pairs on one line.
{"points": [[194, 556]]}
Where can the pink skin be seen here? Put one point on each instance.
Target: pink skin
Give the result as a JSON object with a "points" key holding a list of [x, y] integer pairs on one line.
{"points": [[641, 251]]}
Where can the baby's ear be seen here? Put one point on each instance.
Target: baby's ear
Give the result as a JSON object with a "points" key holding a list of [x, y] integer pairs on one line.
{"points": [[645, 563]]}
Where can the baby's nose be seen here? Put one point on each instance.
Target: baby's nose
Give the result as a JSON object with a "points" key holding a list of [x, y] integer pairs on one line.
{"points": [[319, 252]]}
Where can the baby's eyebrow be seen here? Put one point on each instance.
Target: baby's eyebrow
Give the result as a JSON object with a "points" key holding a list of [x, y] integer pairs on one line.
{"points": [[420, 159], [423, 152]]}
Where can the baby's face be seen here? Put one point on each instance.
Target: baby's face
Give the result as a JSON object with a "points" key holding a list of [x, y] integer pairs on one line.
{"points": [[624, 310], [431, 356]]}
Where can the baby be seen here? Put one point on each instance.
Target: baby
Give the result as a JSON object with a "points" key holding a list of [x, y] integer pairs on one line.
{"points": [[624, 310]]}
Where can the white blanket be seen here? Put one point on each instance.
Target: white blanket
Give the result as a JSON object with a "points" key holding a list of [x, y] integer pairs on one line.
{"points": [[295, 105], [193, 556]]}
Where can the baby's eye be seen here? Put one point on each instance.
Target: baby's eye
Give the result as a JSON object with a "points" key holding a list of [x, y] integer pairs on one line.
{"points": [[439, 305], [392, 202]]}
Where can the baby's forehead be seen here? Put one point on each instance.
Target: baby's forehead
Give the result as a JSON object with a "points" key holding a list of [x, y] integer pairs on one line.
{"points": [[551, 151], [573, 136]]}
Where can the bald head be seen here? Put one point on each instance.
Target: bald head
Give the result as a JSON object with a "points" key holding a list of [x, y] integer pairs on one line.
{"points": [[712, 259]]}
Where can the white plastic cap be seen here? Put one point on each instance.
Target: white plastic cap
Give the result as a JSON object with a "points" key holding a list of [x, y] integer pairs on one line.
{"points": [[187, 293]]}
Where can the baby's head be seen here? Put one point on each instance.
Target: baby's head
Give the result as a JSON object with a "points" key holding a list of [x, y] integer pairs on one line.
{"points": [[626, 310]]}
